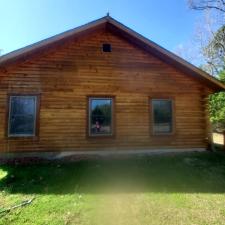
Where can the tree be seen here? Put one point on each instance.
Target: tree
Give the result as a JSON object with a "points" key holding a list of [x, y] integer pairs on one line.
{"points": [[207, 45], [214, 51], [211, 40]]}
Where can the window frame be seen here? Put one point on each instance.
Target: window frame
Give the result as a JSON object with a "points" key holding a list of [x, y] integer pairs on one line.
{"points": [[152, 132], [88, 133], [37, 116]]}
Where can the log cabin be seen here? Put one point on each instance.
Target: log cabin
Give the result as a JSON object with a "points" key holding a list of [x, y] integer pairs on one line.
{"points": [[102, 87]]}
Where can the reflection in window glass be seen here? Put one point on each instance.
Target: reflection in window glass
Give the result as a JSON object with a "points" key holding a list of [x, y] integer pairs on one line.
{"points": [[22, 115], [162, 115], [100, 116]]}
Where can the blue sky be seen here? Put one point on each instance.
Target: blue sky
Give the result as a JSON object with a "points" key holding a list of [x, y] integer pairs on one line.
{"points": [[169, 23]]}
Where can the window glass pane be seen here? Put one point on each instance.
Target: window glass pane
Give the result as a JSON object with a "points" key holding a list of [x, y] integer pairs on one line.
{"points": [[22, 115], [162, 116], [100, 116]]}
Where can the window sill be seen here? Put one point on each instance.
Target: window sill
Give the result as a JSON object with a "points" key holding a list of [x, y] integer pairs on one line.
{"points": [[111, 136], [23, 137], [162, 134]]}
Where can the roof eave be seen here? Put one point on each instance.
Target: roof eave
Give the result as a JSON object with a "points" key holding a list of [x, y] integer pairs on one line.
{"points": [[215, 83], [5, 59]]}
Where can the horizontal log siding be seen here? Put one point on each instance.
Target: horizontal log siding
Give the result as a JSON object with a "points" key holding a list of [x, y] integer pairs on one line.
{"points": [[66, 75]]}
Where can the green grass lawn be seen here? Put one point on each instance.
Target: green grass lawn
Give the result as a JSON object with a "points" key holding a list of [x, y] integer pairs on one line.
{"points": [[186, 188]]}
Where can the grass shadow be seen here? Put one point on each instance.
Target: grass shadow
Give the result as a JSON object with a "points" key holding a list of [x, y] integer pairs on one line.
{"points": [[185, 172]]}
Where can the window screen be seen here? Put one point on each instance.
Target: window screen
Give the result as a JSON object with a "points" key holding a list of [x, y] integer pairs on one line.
{"points": [[100, 116], [22, 115], [162, 116]]}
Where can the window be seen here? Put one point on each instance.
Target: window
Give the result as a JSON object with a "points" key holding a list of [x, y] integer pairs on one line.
{"points": [[100, 116], [106, 48], [162, 113], [22, 116]]}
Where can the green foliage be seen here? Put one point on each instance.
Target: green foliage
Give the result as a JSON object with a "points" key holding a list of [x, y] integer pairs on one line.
{"points": [[215, 53], [217, 106], [222, 76]]}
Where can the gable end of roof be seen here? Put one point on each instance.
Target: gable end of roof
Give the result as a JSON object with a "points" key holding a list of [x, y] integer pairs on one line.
{"points": [[133, 36]]}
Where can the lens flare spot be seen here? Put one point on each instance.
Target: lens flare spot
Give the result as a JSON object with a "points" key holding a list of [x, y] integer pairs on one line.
{"points": [[2, 174]]}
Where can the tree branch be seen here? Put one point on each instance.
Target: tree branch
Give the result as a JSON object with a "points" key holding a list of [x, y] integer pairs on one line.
{"points": [[208, 4], [207, 7]]}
